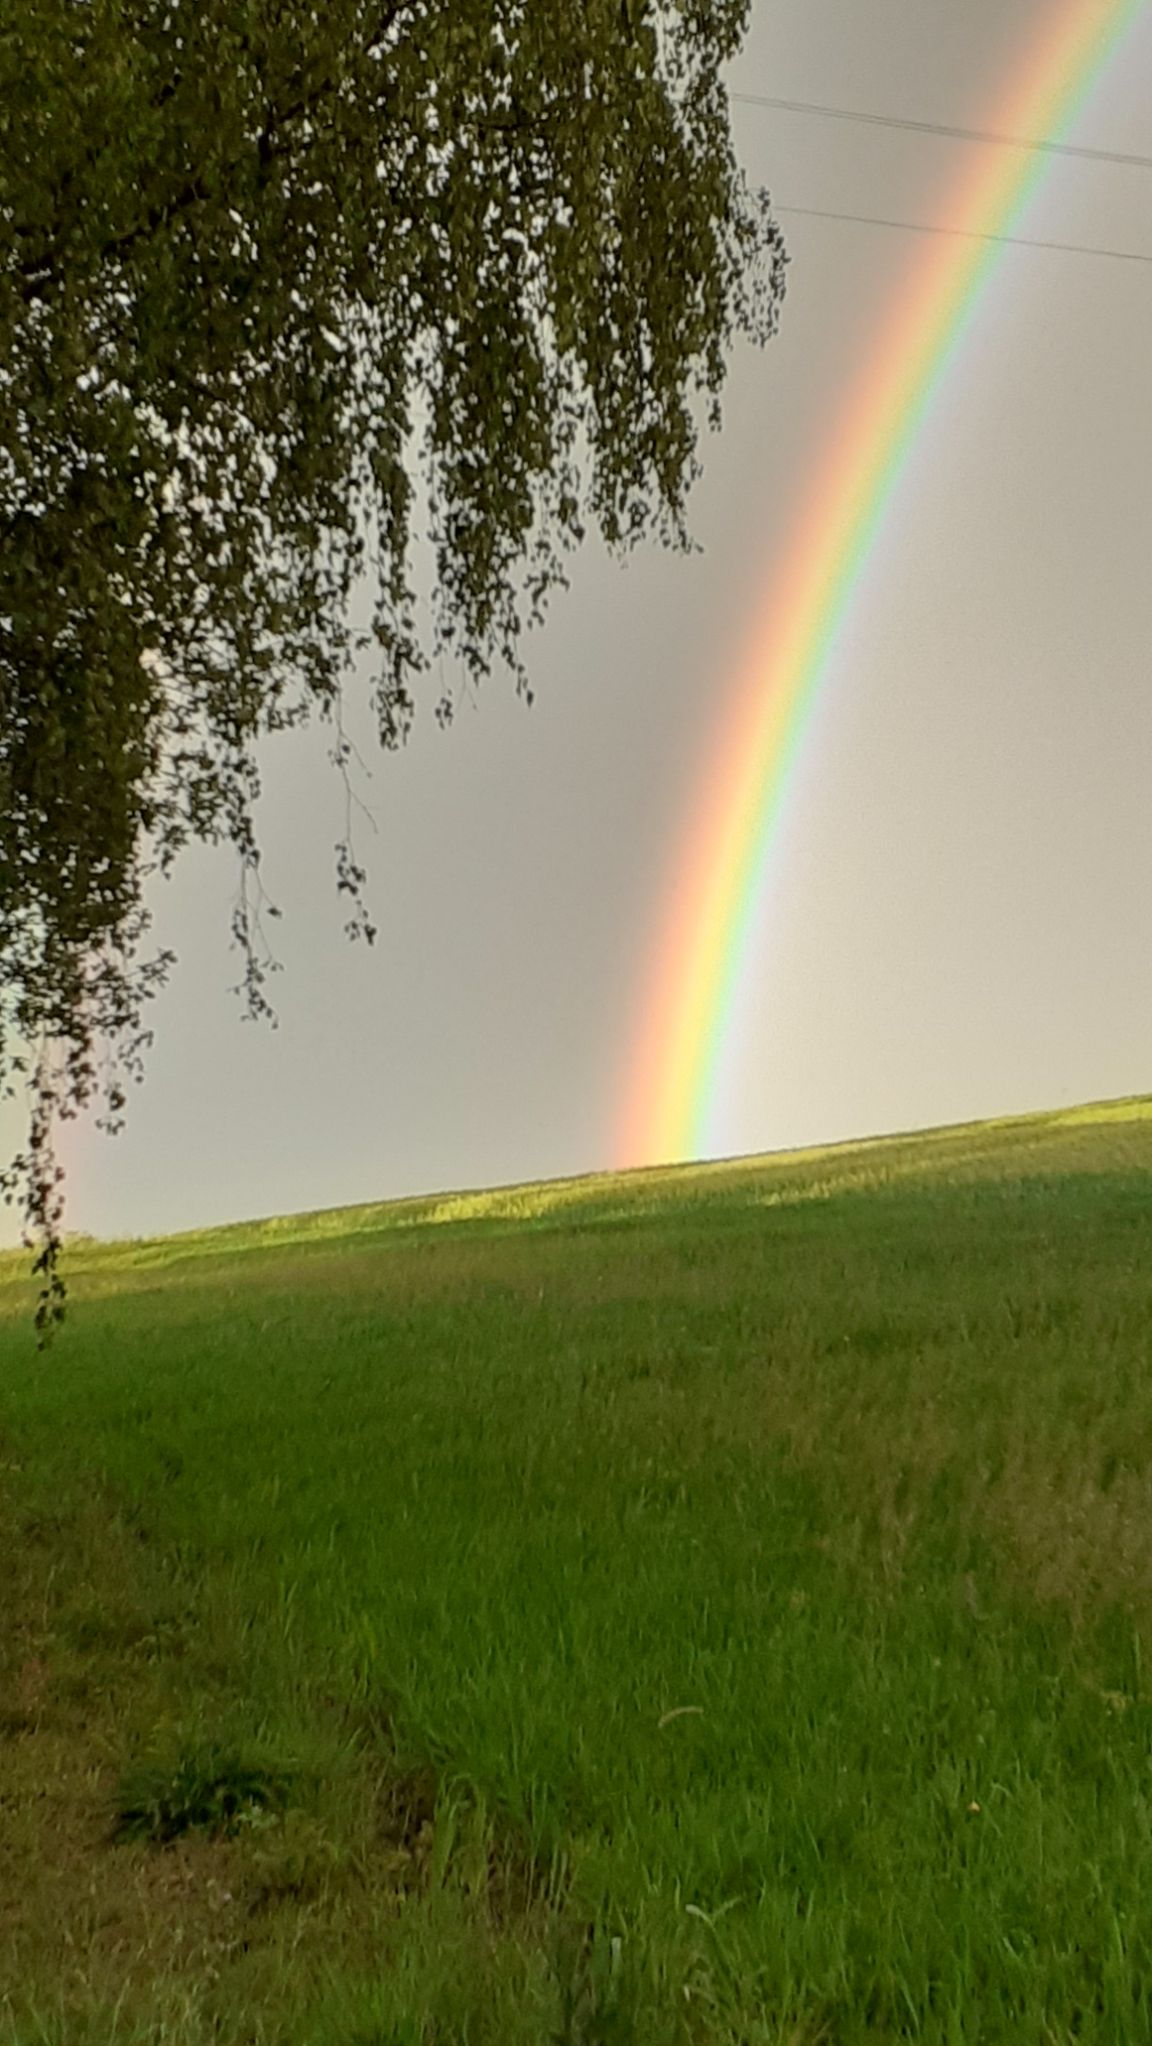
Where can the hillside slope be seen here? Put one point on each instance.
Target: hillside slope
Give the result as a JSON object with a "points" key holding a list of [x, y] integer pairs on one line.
{"points": [[708, 1604]]}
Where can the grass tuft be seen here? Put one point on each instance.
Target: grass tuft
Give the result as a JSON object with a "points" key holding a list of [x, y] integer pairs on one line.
{"points": [[209, 1790]]}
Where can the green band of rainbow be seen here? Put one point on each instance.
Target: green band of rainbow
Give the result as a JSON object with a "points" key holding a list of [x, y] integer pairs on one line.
{"points": [[693, 985]]}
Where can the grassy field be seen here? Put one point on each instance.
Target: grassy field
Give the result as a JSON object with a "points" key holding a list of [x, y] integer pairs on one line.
{"points": [[703, 1605]]}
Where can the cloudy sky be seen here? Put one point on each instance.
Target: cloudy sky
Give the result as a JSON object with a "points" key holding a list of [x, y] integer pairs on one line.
{"points": [[958, 920]]}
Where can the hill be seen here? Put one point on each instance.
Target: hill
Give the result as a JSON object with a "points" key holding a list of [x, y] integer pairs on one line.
{"points": [[704, 1604]]}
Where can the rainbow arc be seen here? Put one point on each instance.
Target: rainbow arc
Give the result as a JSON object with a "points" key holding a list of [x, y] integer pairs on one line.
{"points": [[694, 980]]}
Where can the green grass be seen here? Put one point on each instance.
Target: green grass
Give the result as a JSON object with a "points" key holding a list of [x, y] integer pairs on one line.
{"points": [[703, 1605]]}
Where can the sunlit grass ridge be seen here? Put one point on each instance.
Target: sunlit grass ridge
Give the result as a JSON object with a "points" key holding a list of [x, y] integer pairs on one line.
{"points": [[710, 1604], [1053, 1139]]}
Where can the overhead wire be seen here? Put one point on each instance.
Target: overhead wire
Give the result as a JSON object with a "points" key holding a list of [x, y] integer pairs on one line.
{"points": [[985, 135], [1017, 241], [981, 135]]}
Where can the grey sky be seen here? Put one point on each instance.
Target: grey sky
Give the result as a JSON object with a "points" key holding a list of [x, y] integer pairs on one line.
{"points": [[958, 920]]}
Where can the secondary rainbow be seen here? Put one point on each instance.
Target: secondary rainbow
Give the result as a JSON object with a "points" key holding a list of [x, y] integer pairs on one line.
{"points": [[694, 981]]}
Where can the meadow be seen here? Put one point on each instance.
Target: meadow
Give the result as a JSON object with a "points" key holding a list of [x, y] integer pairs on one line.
{"points": [[701, 1605]]}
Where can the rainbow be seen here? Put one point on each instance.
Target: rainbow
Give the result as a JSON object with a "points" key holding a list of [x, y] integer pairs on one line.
{"points": [[694, 980]]}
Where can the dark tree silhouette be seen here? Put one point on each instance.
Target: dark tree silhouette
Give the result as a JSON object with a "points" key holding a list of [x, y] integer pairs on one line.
{"points": [[268, 271]]}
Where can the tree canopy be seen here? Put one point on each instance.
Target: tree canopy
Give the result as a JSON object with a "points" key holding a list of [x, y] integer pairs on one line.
{"points": [[274, 278]]}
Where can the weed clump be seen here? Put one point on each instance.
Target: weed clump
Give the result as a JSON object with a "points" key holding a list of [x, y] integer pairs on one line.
{"points": [[210, 1790]]}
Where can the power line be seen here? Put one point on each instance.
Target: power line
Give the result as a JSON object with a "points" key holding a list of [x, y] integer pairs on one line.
{"points": [[1016, 241], [803, 106]]}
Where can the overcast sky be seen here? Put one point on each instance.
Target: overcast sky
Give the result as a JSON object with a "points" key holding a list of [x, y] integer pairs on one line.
{"points": [[959, 919]]}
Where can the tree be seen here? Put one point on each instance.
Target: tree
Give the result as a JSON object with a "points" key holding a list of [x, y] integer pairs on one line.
{"points": [[270, 270]]}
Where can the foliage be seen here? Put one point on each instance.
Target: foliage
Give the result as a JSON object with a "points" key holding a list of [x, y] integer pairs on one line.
{"points": [[269, 272]]}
